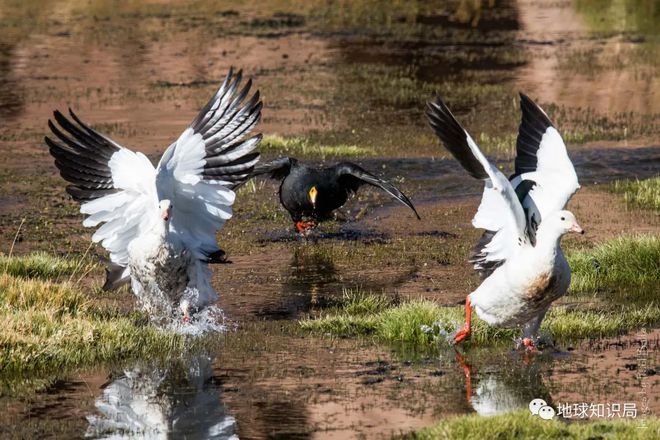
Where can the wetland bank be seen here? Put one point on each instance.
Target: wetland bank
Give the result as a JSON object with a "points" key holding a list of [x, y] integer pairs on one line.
{"points": [[339, 80]]}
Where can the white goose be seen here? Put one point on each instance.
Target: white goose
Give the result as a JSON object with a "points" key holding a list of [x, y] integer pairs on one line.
{"points": [[519, 255], [160, 223]]}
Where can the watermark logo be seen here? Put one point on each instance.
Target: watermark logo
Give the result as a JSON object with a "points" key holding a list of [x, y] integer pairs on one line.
{"points": [[608, 410], [546, 412], [535, 405], [539, 407], [584, 410]]}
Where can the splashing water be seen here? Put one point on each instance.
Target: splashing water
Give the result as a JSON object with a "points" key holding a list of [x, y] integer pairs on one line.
{"points": [[209, 320], [166, 312], [442, 331]]}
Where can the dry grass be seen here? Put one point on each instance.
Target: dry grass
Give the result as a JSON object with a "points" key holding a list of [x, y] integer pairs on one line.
{"points": [[51, 327]]}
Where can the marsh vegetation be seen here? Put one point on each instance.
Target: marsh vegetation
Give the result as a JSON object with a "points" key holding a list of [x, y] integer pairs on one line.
{"points": [[328, 335]]}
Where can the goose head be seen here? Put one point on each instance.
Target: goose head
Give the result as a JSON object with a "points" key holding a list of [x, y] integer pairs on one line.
{"points": [[165, 210], [561, 222]]}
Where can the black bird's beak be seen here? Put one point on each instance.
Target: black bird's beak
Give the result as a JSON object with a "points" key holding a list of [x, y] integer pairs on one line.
{"points": [[313, 192]]}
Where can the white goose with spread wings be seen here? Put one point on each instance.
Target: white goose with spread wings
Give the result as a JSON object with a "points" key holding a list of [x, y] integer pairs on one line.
{"points": [[519, 255], [159, 224]]}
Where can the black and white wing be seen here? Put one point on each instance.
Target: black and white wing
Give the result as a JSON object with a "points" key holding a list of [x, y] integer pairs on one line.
{"points": [[542, 165], [114, 185], [277, 169], [352, 176], [198, 172], [500, 212]]}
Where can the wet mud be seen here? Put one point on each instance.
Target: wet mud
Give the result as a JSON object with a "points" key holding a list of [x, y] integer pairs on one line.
{"points": [[355, 73]]}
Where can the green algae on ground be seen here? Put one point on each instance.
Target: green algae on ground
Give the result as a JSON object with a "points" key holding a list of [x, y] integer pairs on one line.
{"points": [[522, 424], [423, 322], [639, 193]]}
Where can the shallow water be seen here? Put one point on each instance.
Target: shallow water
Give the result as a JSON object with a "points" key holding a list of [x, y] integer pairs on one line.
{"points": [[355, 73]]}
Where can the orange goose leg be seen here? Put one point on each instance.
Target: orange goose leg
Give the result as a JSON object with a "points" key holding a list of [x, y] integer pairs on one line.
{"points": [[465, 331]]}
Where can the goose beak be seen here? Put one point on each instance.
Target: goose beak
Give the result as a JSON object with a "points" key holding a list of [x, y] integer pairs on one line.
{"points": [[576, 228]]}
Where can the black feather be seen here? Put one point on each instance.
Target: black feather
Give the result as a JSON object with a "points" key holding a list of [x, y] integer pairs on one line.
{"points": [[351, 177], [533, 125], [82, 157], [478, 257], [278, 168], [454, 137]]}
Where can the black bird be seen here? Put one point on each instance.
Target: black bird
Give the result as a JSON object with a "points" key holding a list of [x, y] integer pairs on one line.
{"points": [[311, 194]]}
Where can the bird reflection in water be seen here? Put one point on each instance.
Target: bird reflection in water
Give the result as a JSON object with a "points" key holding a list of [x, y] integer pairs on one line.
{"points": [[155, 402], [502, 390]]}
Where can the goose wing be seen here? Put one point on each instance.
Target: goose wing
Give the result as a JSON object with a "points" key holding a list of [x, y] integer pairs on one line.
{"points": [[500, 212], [277, 169], [114, 185], [199, 171], [542, 165]]}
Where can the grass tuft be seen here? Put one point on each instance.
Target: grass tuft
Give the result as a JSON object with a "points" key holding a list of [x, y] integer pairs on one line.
{"points": [[640, 193], [297, 146], [43, 266], [51, 327], [423, 323], [614, 266], [521, 424], [625, 266]]}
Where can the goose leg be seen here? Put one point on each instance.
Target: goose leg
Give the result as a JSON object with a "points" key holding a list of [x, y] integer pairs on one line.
{"points": [[530, 331], [465, 331]]}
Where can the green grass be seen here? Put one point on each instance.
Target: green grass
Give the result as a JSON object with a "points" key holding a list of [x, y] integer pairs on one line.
{"points": [[423, 322], [505, 146], [617, 266], [521, 424], [625, 266], [301, 147], [640, 193], [51, 328], [43, 266]]}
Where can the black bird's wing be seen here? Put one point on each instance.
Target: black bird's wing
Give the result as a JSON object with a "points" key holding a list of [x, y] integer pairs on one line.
{"points": [[351, 177], [278, 168]]}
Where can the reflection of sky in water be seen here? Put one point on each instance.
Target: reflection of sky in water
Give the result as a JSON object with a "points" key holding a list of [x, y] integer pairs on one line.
{"points": [[157, 403]]}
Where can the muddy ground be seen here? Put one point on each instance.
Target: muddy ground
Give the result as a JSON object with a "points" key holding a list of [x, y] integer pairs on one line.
{"points": [[334, 73]]}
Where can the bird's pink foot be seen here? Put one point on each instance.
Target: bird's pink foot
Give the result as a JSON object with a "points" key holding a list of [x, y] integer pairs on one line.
{"points": [[302, 227], [529, 345]]}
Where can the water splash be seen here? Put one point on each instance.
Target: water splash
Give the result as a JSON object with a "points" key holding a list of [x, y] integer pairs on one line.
{"points": [[442, 331], [210, 320], [167, 313]]}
